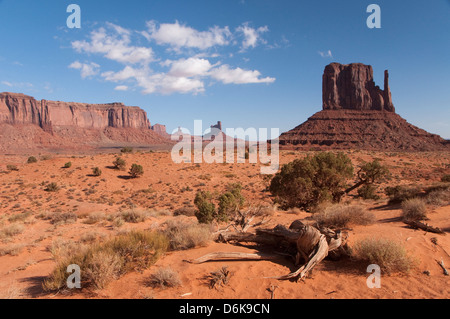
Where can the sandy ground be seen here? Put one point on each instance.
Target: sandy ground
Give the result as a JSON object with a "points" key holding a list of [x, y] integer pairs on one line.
{"points": [[165, 187]]}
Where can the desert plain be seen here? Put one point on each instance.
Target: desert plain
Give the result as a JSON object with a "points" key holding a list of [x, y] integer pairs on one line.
{"points": [[35, 238]]}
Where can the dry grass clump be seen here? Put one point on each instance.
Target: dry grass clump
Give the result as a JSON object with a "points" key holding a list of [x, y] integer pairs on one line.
{"points": [[342, 215], [13, 249], [388, 254], [11, 230], [165, 277], [134, 215], [186, 235], [94, 218], [439, 197], [414, 209], [63, 218], [102, 263]]}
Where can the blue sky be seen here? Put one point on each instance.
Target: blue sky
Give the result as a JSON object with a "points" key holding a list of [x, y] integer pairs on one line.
{"points": [[248, 63]]}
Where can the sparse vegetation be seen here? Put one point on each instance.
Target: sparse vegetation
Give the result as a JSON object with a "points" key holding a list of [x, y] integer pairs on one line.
{"points": [[186, 235], [52, 187], [305, 183], [134, 215], [11, 168], [342, 215], [96, 171], [164, 277], [32, 160], [68, 165], [220, 277], [102, 263], [63, 218], [414, 209], [127, 150], [136, 171], [119, 164], [446, 178], [388, 254], [206, 210]]}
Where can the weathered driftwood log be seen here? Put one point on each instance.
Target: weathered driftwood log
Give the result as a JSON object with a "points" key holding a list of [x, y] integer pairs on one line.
{"points": [[311, 245], [419, 225]]}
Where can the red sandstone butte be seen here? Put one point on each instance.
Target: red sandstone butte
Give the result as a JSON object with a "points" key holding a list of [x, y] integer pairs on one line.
{"points": [[358, 114]]}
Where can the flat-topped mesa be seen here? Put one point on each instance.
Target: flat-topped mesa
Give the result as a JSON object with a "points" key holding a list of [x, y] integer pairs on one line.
{"points": [[351, 87], [23, 109]]}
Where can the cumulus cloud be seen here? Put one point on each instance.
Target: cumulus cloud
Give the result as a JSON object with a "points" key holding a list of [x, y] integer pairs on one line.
{"points": [[251, 36], [115, 46], [182, 36], [186, 72], [86, 69], [227, 75]]}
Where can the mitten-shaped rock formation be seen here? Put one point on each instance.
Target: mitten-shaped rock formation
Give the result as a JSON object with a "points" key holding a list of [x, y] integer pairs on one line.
{"points": [[357, 114], [351, 87]]}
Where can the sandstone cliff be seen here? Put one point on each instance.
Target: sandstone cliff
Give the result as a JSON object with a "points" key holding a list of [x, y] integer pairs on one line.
{"points": [[72, 125], [357, 114]]}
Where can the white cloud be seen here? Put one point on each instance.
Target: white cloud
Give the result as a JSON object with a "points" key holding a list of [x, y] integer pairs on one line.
{"points": [[181, 36], [189, 67], [186, 72], [116, 46], [238, 76], [251, 36], [327, 54], [87, 69], [121, 88]]}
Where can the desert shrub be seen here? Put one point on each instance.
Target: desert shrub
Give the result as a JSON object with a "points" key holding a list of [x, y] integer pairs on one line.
{"points": [[304, 183], [206, 210], [96, 171], [446, 178], [94, 218], [136, 171], [341, 215], [32, 160], [126, 150], [230, 202], [111, 259], [68, 165], [52, 187], [19, 217], [186, 211], [439, 197], [400, 193], [164, 277], [119, 163], [134, 216], [368, 191], [414, 209], [389, 255], [11, 167], [11, 230], [184, 235], [63, 218], [12, 250]]}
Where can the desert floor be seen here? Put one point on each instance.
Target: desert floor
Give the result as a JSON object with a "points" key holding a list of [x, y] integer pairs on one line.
{"points": [[26, 258]]}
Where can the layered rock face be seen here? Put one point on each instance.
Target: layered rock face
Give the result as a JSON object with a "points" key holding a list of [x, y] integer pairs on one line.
{"points": [[352, 87], [72, 125], [22, 109], [357, 114]]}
